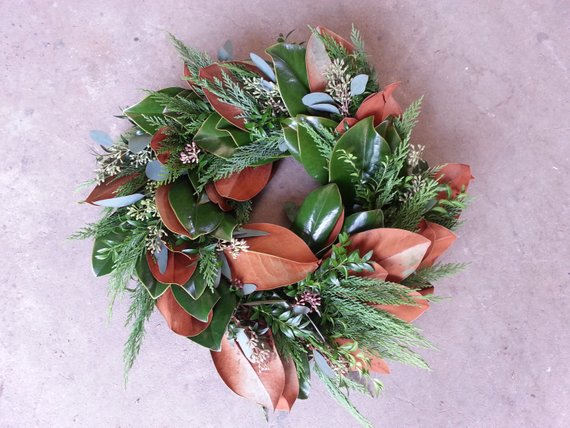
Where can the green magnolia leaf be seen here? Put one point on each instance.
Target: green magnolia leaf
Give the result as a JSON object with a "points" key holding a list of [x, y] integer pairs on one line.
{"points": [[154, 287], [226, 228], [356, 156], [199, 308], [310, 156], [318, 216], [289, 127], [212, 337], [219, 142], [197, 284], [240, 137], [149, 107], [198, 218], [102, 256], [291, 73], [365, 220]]}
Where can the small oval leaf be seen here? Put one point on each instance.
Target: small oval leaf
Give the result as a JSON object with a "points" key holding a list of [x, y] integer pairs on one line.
{"points": [[263, 66], [121, 201], [248, 289], [358, 84], [317, 98], [156, 171], [226, 52], [101, 138], [139, 142], [326, 108]]}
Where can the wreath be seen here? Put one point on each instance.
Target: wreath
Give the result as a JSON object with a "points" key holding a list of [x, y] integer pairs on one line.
{"points": [[334, 294]]}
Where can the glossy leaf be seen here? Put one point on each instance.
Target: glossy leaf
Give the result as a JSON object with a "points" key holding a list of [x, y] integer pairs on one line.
{"points": [[149, 108], [101, 138], [198, 218], [216, 198], [305, 382], [262, 66], [179, 268], [199, 308], [380, 105], [167, 214], [457, 176], [179, 321], [309, 156], [214, 140], [156, 144], [120, 201], [289, 127], [275, 260], [318, 216], [155, 288], [212, 337], [407, 313], [265, 387], [291, 74], [197, 284], [244, 185], [363, 142], [108, 188], [101, 259], [441, 239], [364, 220], [398, 251], [226, 228]]}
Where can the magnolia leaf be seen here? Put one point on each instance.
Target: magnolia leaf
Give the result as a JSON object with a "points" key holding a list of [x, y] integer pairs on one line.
{"points": [[156, 171], [214, 140], [212, 336], [275, 260], [398, 251], [457, 176], [156, 144], [262, 386], [199, 308], [366, 148], [291, 389], [197, 284], [291, 75], [322, 364], [216, 198], [364, 220], [304, 377], [309, 154], [407, 313], [149, 108], [441, 239], [102, 256], [166, 213], [289, 127], [108, 188], [179, 268], [155, 288], [139, 142], [248, 233], [101, 138], [376, 364], [358, 84], [380, 105], [318, 216], [262, 66], [244, 185], [291, 209], [120, 201], [317, 98], [328, 108], [226, 52], [179, 321]]}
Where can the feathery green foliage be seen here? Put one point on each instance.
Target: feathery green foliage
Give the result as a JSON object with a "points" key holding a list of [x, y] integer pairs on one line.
{"points": [[322, 137], [409, 118], [424, 277], [138, 314], [209, 265]]}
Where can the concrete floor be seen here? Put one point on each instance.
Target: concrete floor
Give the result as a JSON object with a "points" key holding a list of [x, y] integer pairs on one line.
{"points": [[496, 84]]}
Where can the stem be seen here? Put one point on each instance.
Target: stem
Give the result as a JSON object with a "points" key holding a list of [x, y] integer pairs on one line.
{"points": [[263, 302]]}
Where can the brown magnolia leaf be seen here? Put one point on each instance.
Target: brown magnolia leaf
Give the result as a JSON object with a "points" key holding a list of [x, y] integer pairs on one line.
{"points": [[291, 389], [274, 260], [379, 272], [377, 364], [407, 313], [156, 143], [265, 387], [398, 251], [228, 111], [441, 239], [457, 176], [427, 291], [345, 123], [108, 188], [380, 105], [244, 185], [166, 213], [179, 267], [179, 321], [317, 59], [336, 229], [216, 198]]}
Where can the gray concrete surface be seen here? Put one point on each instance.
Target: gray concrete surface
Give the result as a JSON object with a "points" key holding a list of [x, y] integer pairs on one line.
{"points": [[496, 84]]}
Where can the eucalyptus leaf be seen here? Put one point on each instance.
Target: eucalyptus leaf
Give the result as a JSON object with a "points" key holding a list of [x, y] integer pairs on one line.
{"points": [[328, 108], [226, 52], [225, 269], [301, 310], [317, 98], [101, 138], [322, 364], [358, 84], [120, 201], [243, 341], [248, 289], [161, 257], [156, 171], [139, 142], [263, 66]]}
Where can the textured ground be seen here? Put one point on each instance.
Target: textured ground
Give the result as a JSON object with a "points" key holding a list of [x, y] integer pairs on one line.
{"points": [[496, 81]]}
